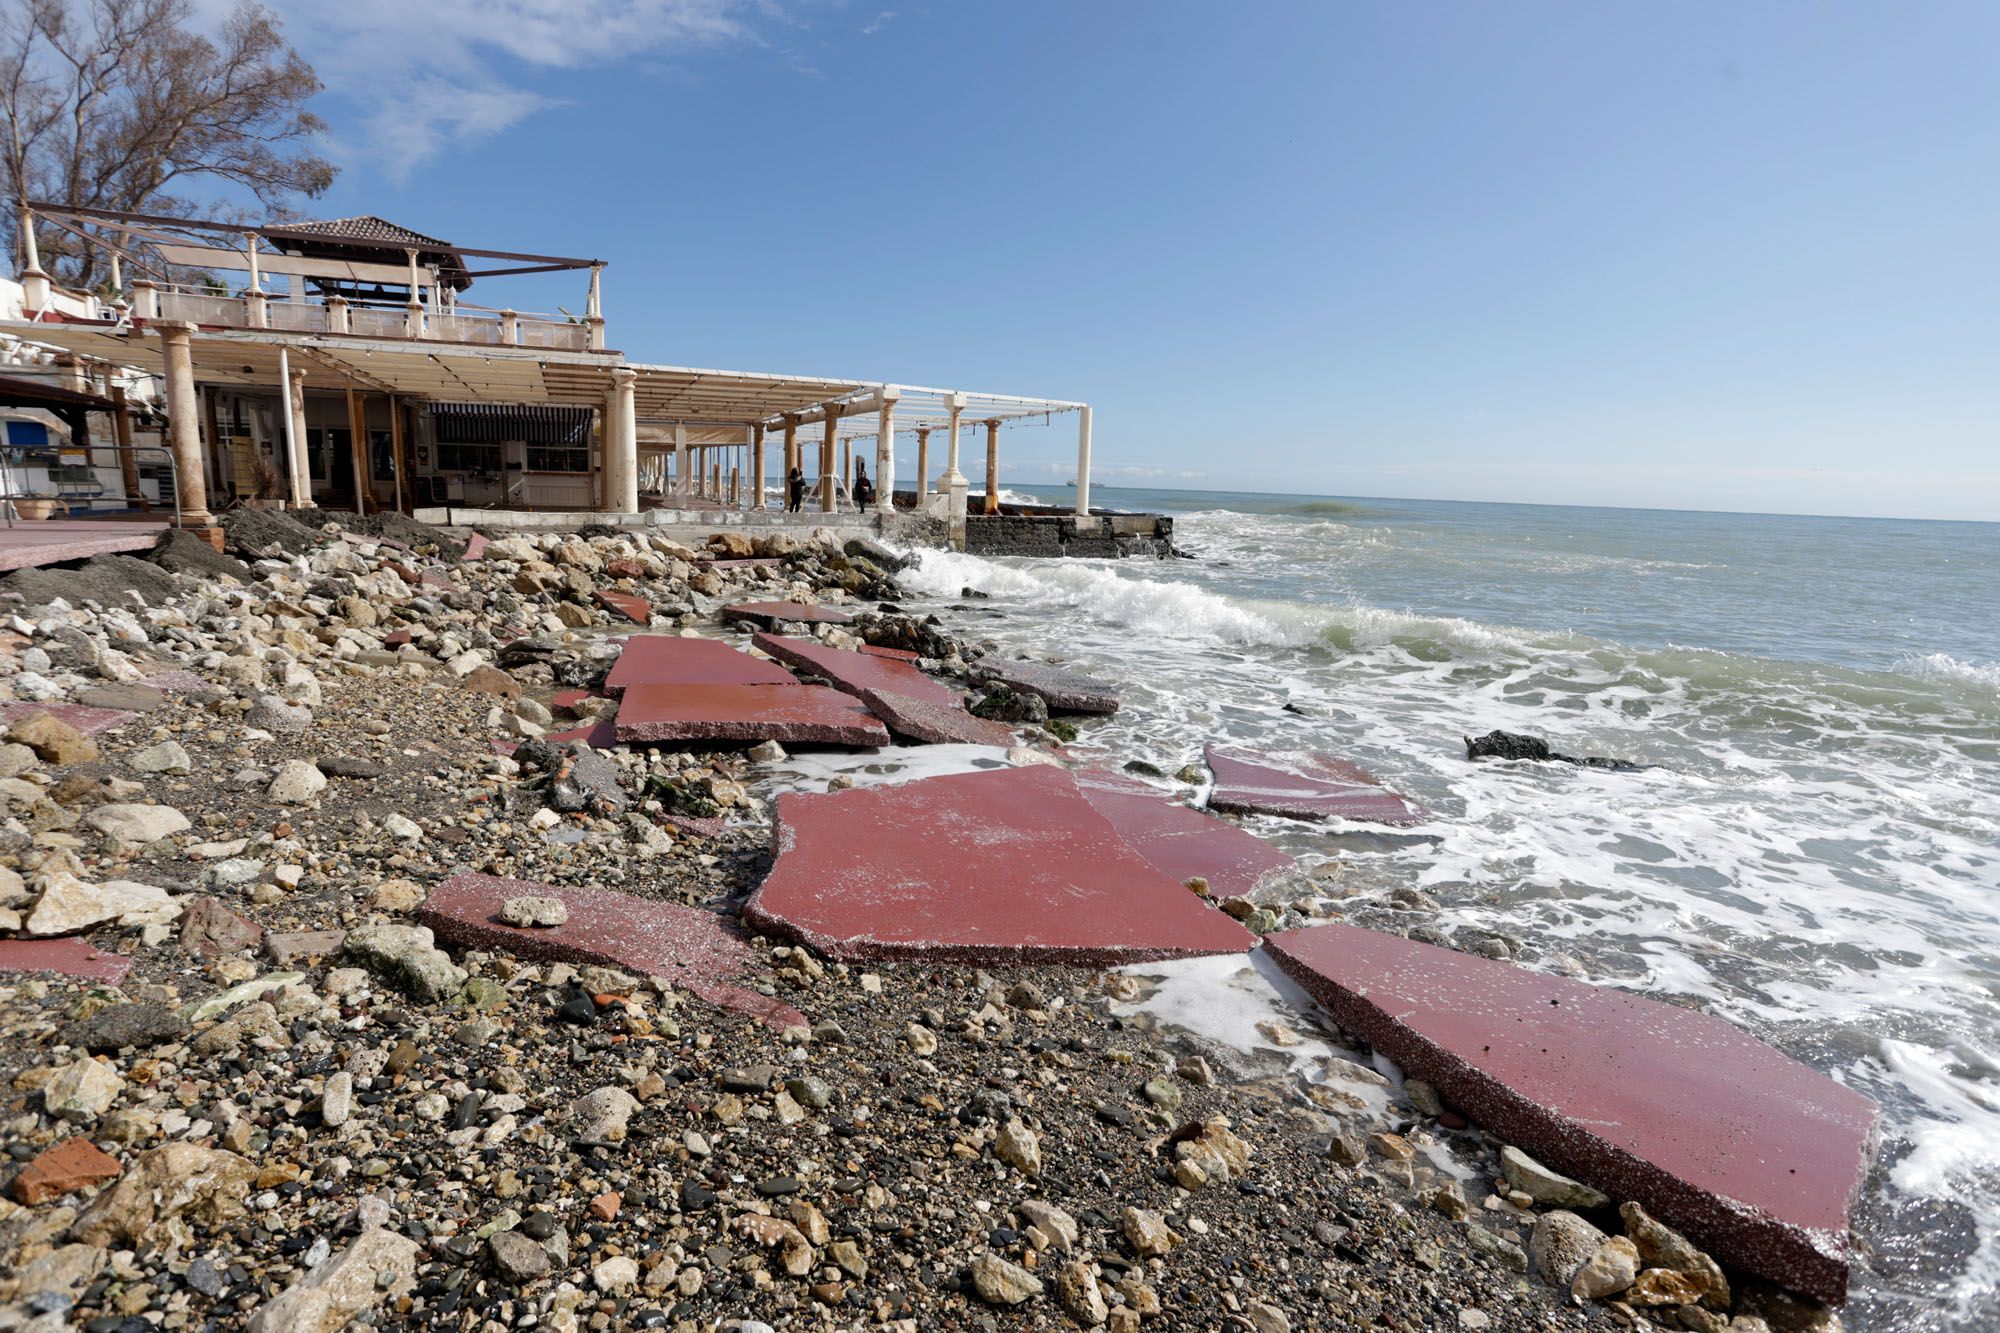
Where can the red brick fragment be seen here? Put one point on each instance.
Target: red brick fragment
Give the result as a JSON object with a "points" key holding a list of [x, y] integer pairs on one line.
{"points": [[71, 1165]]}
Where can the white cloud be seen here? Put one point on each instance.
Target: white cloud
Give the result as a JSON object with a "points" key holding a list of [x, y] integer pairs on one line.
{"points": [[435, 74], [879, 22]]}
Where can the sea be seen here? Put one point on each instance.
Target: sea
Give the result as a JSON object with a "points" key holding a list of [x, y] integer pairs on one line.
{"points": [[1813, 853]]}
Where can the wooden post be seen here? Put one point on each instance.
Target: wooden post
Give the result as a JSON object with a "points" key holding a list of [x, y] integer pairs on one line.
{"points": [[128, 462], [216, 463], [923, 467], [357, 430], [847, 467], [735, 487], [992, 505], [396, 453], [826, 472], [757, 467], [792, 458]]}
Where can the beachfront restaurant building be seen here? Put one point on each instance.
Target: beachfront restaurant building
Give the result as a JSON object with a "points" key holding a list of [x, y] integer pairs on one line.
{"points": [[344, 364]]}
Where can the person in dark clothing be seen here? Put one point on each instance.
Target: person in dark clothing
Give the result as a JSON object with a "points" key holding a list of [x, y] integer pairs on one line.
{"points": [[864, 489], [795, 489]]}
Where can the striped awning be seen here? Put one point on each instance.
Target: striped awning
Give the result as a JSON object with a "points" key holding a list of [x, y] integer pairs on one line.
{"points": [[491, 423]]}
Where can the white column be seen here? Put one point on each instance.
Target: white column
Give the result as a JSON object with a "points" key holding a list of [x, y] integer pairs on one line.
{"points": [[923, 468], [184, 422], [34, 282], [1083, 461], [956, 402], [302, 496], [885, 455], [291, 426], [622, 482], [681, 488], [413, 310]]}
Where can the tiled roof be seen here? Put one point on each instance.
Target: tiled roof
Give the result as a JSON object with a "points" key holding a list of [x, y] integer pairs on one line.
{"points": [[366, 227]]}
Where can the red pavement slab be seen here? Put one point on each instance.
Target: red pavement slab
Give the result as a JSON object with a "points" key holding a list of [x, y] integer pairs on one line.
{"points": [[805, 714], [1313, 788], [852, 672], [475, 547], [635, 609], [52, 541], [600, 735], [768, 614], [1064, 691], [1751, 1154], [997, 867], [1180, 842], [694, 949], [666, 659], [934, 723], [70, 956], [569, 702], [893, 654], [90, 721]]}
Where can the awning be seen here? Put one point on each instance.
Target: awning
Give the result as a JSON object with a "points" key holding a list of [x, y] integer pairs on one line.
{"points": [[492, 423]]}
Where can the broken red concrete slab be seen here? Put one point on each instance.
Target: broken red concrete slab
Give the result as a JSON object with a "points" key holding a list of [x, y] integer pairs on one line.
{"points": [[1755, 1157], [68, 956], [893, 654], [934, 723], [794, 714], [475, 547], [695, 950], [570, 703], [90, 721], [771, 614], [1063, 690], [599, 735], [666, 659], [57, 540], [1003, 866], [1180, 842], [852, 672], [71, 1165], [635, 609], [694, 826], [1313, 788]]}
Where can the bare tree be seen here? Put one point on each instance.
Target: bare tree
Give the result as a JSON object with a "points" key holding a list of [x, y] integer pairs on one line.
{"points": [[118, 104]]}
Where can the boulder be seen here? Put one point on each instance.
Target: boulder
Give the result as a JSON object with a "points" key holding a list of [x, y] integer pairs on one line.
{"points": [[166, 757], [1561, 1245], [408, 956], [165, 1190], [1002, 1283], [83, 1089], [1607, 1272], [379, 1266], [69, 904], [53, 740], [136, 824], [1547, 1187], [296, 782], [601, 1116], [272, 713]]}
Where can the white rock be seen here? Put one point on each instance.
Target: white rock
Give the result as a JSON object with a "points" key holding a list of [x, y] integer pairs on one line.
{"points": [[402, 826], [81, 1090], [296, 783], [69, 904], [136, 824], [379, 1265], [166, 757], [534, 910]]}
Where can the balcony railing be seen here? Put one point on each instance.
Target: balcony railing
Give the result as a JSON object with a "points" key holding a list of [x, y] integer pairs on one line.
{"points": [[494, 328]]}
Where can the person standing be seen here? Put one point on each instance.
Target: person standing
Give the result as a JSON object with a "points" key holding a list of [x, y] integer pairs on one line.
{"points": [[795, 489]]}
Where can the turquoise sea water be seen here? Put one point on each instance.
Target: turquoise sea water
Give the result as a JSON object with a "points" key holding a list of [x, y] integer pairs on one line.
{"points": [[1815, 856]]}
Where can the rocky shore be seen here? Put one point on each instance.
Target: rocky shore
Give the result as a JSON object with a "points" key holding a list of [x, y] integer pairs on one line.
{"points": [[295, 1111]]}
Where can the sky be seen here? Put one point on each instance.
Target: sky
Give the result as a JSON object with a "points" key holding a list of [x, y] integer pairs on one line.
{"points": [[1692, 255]]}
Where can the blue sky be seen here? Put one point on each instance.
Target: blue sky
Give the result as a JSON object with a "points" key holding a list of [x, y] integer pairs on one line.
{"points": [[1728, 256]]}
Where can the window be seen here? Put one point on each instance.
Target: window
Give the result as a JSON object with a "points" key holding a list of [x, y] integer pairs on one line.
{"points": [[482, 458], [547, 458]]}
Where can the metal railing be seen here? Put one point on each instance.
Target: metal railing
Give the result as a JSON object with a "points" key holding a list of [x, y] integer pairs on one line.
{"points": [[155, 456], [478, 327]]}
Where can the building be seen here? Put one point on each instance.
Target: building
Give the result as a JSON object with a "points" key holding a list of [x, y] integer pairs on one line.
{"points": [[344, 364]]}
